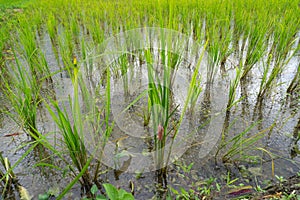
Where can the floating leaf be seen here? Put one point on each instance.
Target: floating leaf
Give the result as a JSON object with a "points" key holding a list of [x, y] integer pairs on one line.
{"points": [[94, 189], [43, 196], [111, 191]]}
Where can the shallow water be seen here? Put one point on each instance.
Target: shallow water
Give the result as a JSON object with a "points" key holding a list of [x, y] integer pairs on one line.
{"points": [[276, 110]]}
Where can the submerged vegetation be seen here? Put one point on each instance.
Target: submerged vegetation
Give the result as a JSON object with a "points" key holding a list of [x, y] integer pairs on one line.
{"points": [[60, 66]]}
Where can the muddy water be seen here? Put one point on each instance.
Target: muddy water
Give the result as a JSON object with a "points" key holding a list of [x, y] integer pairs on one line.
{"points": [[276, 111]]}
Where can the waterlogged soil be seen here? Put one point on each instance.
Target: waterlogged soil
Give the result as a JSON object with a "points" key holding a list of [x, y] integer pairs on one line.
{"points": [[278, 115]]}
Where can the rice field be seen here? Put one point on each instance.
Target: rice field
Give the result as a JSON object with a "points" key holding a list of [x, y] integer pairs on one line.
{"points": [[148, 99]]}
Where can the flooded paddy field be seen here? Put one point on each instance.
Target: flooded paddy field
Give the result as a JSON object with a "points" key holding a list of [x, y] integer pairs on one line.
{"points": [[165, 100]]}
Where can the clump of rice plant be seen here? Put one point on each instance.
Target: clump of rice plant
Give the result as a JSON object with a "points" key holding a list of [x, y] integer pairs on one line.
{"points": [[219, 34], [231, 100], [160, 102], [23, 93], [74, 128], [165, 127], [255, 49], [73, 134], [268, 79], [248, 34], [28, 47], [239, 147]]}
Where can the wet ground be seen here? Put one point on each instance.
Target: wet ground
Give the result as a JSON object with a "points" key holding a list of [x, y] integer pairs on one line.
{"points": [[278, 115]]}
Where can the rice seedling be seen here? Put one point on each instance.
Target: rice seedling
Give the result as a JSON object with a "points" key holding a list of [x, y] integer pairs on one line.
{"points": [[195, 95], [82, 124], [233, 88], [73, 135], [256, 48], [250, 34], [7, 177], [231, 101], [52, 26], [22, 91], [161, 103], [95, 28], [123, 63], [66, 50], [75, 145], [295, 83], [219, 34], [238, 147], [28, 42], [3, 33], [268, 81], [284, 35]]}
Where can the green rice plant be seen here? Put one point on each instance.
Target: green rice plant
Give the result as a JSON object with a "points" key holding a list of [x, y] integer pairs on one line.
{"points": [[3, 34], [256, 48], [13, 3], [231, 101], [285, 36], [233, 89], [124, 65], [159, 99], [29, 46], [95, 28], [66, 49], [219, 33], [22, 91], [74, 27], [75, 145], [85, 54], [52, 26], [161, 103], [268, 79], [295, 83], [73, 135], [75, 127], [251, 25], [104, 135], [7, 177], [240, 146], [195, 95], [240, 19]]}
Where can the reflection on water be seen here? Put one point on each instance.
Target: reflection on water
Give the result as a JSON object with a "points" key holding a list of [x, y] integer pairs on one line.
{"points": [[200, 131]]}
